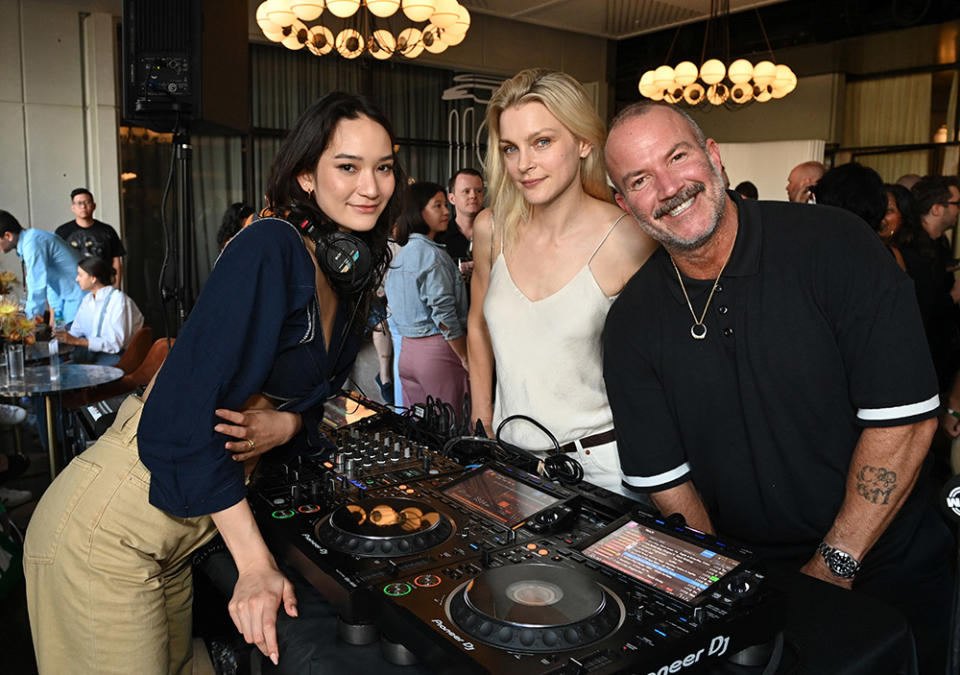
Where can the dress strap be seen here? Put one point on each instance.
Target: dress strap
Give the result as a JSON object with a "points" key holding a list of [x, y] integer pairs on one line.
{"points": [[615, 223]]}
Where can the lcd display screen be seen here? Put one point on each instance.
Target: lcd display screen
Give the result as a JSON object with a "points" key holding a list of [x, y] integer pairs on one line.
{"points": [[500, 497], [680, 568], [342, 411]]}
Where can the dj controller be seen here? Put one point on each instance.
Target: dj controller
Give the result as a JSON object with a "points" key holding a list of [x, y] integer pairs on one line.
{"points": [[491, 568]]}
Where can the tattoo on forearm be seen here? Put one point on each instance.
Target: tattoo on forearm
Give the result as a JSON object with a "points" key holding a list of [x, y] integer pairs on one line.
{"points": [[876, 484]]}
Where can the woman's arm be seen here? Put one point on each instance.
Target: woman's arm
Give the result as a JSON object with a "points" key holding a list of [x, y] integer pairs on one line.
{"points": [[479, 348], [260, 588]]}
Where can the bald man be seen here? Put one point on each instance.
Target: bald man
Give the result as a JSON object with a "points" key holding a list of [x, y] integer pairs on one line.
{"points": [[801, 179]]}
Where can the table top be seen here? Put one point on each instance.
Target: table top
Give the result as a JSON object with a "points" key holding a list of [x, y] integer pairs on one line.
{"points": [[72, 376]]}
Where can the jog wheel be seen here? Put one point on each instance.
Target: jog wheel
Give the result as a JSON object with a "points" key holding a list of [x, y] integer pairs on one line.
{"points": [[387, 527], [535, 608]]}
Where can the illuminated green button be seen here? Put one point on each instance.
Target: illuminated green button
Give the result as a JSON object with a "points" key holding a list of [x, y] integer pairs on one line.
{"points": [[714, 578], [397, 589], [283, 513]]}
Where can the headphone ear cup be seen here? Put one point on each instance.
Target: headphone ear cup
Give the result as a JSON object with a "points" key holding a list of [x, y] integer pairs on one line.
{"points": [[345, 259]]}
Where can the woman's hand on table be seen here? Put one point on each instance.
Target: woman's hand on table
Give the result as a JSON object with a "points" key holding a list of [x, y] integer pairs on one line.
{"points": [[258, 430]]}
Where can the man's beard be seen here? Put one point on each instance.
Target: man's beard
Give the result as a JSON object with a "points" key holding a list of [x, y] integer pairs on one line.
{"points": [[670, 241]]}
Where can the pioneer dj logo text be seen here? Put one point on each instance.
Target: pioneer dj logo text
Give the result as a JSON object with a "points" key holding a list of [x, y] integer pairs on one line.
{"points": [[718, 647], [463, 643], [310, 540]]}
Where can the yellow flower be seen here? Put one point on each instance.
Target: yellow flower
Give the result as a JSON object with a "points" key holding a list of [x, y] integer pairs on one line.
{"points": [[8, 306]]}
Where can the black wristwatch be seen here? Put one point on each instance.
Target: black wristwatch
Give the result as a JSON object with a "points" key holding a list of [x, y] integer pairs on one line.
{"points": [[840, 563]]}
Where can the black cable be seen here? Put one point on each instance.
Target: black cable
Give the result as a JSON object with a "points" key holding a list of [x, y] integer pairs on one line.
{"points": [[559, 466], [166, 232]]}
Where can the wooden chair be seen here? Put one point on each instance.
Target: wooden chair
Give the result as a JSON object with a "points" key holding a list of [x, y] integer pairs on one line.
{"points": [[136, 351], [128, 383]]}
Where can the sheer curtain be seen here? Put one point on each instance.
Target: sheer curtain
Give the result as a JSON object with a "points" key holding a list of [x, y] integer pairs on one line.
{"points": [[890, 111], [285, 83]]}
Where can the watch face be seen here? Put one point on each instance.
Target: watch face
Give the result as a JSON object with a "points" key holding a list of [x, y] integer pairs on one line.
{"points": [[841, 564]]}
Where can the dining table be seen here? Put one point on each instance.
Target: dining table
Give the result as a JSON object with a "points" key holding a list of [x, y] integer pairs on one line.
{"points": [[37, 382]]}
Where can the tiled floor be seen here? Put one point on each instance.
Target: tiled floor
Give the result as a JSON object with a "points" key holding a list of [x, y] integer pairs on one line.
{"points": [[14, 628]]}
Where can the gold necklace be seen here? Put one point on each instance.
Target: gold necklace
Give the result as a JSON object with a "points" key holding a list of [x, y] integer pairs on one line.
{"points": [[698, 323]]}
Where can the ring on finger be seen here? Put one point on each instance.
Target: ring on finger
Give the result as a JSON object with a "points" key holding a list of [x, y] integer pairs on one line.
{"points": [[251, 444]]}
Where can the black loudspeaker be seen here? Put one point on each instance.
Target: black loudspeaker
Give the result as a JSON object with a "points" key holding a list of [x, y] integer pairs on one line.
{"points": [[186, 61]]}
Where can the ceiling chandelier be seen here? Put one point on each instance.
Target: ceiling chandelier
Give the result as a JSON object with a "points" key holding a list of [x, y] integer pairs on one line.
{"points": [[352, 27], [714, 83]]}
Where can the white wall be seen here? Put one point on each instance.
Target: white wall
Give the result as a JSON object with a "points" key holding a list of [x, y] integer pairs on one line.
{"points": [[58, 110], [767, 165]]}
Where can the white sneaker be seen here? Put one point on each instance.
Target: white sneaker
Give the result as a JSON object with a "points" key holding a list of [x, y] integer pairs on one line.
{"points": [[12, 498], [11, 415]]}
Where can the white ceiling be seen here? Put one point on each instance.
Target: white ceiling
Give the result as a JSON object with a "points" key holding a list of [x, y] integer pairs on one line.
{"points": [[613, 19]]}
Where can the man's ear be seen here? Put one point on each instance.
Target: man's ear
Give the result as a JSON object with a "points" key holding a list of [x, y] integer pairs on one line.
{"points": [[621, 202]]}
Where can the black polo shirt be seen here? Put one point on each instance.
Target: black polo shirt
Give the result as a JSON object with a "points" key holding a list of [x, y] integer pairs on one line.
{"points": [[458, 246], [813, 333]]}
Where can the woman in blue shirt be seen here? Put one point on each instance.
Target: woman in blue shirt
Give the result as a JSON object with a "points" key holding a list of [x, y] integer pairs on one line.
{"points": [[428, 301], [271, 336]]}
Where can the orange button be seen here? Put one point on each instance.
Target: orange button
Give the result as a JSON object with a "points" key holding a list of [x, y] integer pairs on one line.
{"points": [[586, 452], [402, 487], [410, 491], [530, 547], [329, 465], [543, 551]]}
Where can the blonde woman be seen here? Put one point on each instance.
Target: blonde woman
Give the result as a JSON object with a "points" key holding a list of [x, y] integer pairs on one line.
{"points": [[551, 254]]}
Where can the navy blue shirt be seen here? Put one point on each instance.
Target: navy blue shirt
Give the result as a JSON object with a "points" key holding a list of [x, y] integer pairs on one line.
{"points": [[254, 329]]}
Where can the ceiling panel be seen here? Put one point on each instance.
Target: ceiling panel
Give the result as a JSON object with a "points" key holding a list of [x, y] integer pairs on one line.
{"points": [[613, 19]]}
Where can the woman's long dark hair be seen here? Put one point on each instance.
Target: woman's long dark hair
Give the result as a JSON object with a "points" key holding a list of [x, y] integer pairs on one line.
{"points": [[911, 232], [300, 152], [411, 218]]}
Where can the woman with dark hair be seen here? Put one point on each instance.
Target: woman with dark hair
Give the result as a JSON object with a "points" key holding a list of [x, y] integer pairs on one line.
{"points": [[428, 301], [106, 319], [901, 222], [855, 188], [235, 218], [271, 337]]}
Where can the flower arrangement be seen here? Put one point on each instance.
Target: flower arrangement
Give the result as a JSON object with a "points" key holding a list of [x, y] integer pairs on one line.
{"points": [[8, 279], [15, 326]]}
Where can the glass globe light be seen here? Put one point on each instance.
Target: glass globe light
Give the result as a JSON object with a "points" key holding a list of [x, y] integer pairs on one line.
{"points": [[462, 24], [646, 86], [740, 71], [663, 77], [383, 8], [409, 42], [279, 12], [432, 41], [685, 73], [712, 71], [693, 93], [741, 93], [307, 10], [762, 94], [764, 73], [350, 43], [419, 10], [717, 94], [382, 44], [343, 9], [445, 15], [320, 41], [297, 37]]}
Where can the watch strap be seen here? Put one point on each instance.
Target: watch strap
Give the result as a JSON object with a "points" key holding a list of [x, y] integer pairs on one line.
{"points": [[839, 562]]}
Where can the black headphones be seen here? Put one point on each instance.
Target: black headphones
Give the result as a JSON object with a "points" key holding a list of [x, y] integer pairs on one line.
{"points": [[344, 258]]}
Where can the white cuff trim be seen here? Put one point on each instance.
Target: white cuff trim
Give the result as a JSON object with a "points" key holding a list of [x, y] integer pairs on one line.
{"points": [[659, 479], [898, 411]]}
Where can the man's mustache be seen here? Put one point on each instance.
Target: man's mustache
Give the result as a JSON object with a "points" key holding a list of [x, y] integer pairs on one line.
{"points": [[686, 193]]}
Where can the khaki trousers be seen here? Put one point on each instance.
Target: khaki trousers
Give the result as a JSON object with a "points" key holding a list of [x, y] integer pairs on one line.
{"points": [[109, 585]]}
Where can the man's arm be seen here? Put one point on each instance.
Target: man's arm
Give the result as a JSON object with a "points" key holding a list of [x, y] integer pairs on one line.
{"points": [[685, 500], [882, 473], [118, 268], [35, 279], [479, 347]]}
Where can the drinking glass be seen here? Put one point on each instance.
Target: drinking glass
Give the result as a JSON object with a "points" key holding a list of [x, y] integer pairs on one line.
{"points": [[15, 360]]}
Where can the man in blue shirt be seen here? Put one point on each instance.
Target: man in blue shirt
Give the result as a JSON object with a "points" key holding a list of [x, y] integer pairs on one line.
{"points": [[50, 267]]}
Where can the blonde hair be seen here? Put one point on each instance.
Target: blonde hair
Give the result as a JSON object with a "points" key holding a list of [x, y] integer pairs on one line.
{"points": [[566, 100]]}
